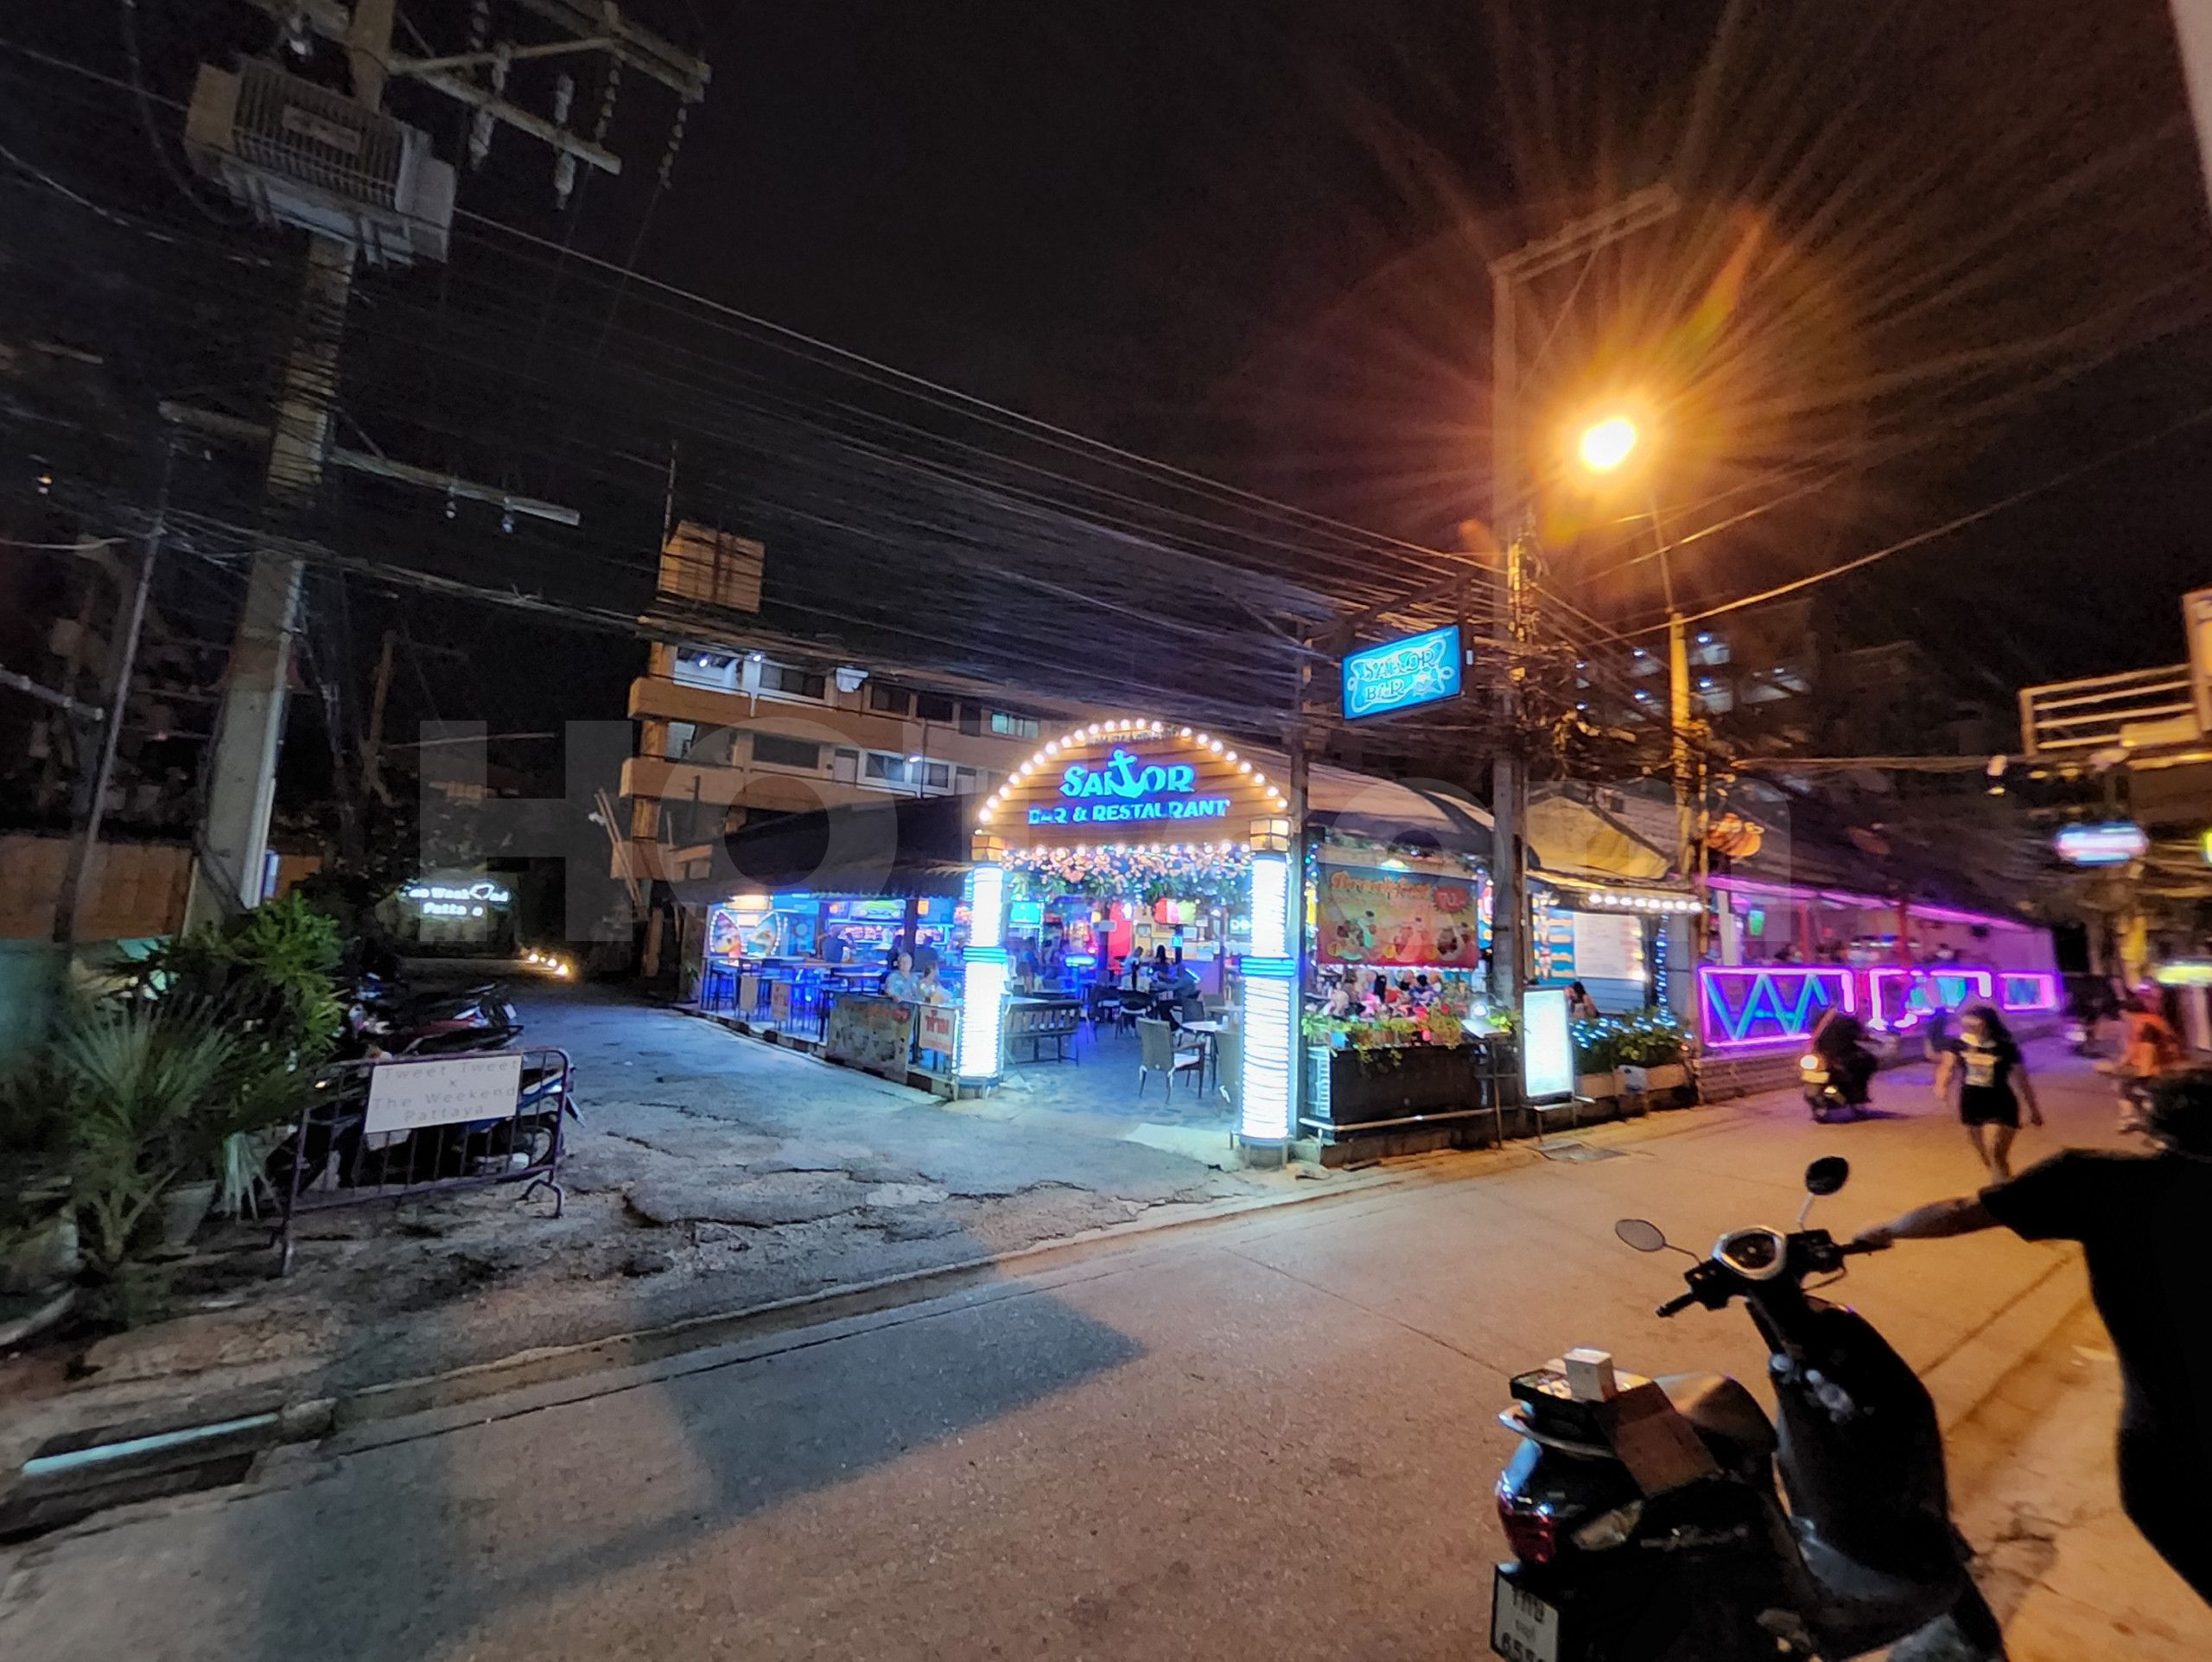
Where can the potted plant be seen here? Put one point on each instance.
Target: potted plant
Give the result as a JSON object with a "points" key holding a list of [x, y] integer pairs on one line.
{"points": [[1651, 1053], [1597, 1055]]}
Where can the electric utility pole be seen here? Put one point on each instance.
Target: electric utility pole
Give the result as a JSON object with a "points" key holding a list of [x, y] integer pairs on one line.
{"points": [[1580, 240], [242, 783]]}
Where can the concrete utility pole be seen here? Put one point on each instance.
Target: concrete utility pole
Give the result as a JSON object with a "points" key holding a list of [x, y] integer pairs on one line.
{"points": [[1579, 240], [1689, 793], [249, 729], [242, 780]]}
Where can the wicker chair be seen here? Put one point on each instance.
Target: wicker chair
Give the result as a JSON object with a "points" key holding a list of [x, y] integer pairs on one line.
{"points": [[1156, 1053]]}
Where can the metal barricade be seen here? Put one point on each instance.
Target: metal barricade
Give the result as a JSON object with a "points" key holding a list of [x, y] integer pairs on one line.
{"points": [[396, 1127]]}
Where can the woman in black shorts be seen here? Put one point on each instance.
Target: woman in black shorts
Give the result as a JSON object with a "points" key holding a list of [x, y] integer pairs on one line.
{"points": [[1992, 1081]]}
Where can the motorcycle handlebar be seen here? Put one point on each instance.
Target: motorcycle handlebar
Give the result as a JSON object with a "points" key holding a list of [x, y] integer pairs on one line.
{"points": [[1850, 1249], [1675, 1306]]}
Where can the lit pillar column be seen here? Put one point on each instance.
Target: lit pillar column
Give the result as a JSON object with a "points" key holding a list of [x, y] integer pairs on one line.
{"points": [[1270, 998], [983, 997]]}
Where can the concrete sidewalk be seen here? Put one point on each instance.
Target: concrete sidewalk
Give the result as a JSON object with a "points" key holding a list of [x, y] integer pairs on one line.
{"points": [[2036, 1489]]}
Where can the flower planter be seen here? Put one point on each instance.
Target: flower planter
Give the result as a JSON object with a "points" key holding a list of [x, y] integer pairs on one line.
{"points": [[1645, 1081], [1381, 1085], [1597, 1086]]}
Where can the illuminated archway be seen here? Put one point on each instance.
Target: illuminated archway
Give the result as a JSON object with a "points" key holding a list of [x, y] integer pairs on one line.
{"points": [[1134, 783]]}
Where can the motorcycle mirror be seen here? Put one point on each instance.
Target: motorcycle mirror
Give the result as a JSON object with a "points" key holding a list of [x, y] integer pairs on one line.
{"points": [[1643, 1236], [1828, 1175]]}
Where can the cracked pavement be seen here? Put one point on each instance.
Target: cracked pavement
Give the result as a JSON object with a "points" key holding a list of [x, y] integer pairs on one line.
{"points": [[712, 1172]]}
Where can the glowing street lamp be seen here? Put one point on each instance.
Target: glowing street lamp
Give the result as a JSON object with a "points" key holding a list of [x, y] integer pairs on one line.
{"points": [[1608, 444]]}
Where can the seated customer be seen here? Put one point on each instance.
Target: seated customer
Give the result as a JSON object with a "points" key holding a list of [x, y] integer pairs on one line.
{"points": [[900, 982]]}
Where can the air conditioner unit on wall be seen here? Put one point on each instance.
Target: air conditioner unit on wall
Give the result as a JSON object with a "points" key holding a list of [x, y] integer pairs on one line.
{"points": [[299, 154]]}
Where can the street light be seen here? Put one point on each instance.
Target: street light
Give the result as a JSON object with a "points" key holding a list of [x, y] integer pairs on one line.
{"points": [[1608, 444]]}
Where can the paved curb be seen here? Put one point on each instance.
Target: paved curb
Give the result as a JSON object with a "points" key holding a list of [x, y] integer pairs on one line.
{"points": [[73, 1475]]}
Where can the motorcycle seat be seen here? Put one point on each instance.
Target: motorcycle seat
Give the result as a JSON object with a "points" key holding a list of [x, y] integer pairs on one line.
{"points": [[1723, 1411]]}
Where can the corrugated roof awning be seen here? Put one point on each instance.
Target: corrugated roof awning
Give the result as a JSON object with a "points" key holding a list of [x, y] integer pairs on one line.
{"points": [[902, 846], [1391, 812]]}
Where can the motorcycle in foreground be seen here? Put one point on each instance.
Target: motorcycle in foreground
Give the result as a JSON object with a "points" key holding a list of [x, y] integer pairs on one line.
{"points": [[1644, 1515]]}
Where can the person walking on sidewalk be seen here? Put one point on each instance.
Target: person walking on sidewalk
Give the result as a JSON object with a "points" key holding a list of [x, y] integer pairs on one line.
{"points": [[1993, 1079], [2141, 1219]]}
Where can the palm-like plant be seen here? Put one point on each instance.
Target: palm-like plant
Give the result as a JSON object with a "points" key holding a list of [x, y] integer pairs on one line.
{"points": [[138, 1090]]}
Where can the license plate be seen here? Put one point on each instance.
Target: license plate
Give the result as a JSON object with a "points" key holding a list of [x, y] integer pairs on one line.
{"points": [[1521, 1625], [513, 1020]]}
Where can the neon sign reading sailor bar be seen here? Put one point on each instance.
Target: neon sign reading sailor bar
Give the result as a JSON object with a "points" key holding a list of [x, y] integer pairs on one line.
{"points": [[1140, 790]]}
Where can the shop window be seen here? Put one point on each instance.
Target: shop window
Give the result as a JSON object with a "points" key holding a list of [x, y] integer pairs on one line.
{"points": [[971, 720], [1006, 724], [893, 701], [793, 683], [939, 776], [778, 751], [933, 707]]}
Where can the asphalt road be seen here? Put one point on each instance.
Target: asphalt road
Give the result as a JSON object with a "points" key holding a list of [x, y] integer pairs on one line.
{"points": [[1272, 1437]]}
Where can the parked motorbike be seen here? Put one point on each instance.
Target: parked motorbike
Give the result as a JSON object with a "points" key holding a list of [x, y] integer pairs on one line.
{"points": [[380, 1024], [1644, 1515], [1824, 1091]]}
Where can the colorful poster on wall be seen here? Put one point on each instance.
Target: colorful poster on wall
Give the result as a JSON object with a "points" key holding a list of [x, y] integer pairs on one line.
{"points": [[1370, 915], [1551, 941]]}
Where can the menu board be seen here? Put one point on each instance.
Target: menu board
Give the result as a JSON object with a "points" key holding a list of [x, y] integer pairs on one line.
{"points": [[1609, 945], [1371, 915], [873, 1035]]}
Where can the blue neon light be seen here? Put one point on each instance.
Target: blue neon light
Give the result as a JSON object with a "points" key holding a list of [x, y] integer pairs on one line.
{"points": [[1129, 776], [1746, 1007], [1417, 669]]}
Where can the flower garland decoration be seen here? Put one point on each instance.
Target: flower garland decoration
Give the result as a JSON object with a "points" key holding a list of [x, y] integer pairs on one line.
{"points": [[1198, 871]]}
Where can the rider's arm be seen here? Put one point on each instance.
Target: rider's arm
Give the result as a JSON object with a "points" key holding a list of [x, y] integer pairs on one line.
{"points": [[1962, 1215], [2026, 1088], [1946, 1065]]}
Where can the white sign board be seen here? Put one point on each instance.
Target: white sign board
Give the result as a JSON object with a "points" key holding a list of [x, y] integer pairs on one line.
{"points": [[1608, 946], [1546, 1047], [407, 1096]]}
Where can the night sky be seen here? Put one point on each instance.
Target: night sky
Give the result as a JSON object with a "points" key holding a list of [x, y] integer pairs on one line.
{"points": [[1251, 238], [1924, 261]]}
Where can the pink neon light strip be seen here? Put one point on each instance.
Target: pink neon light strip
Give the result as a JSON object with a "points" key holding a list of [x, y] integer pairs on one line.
{"points": [[1794, 1012], [1866, 902], [2044, 997], [1936, 974]]}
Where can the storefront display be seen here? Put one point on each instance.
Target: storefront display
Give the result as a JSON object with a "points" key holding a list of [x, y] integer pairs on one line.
{"points": [[1168, 834]]}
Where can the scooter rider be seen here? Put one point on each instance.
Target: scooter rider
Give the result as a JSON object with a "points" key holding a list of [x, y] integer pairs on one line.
{"points": [[2142, 1218], [1840, 1040]]}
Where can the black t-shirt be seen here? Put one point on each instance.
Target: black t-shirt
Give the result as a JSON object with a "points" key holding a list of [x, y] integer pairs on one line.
{"points": [[1987, 1064], [2142, 1218]]}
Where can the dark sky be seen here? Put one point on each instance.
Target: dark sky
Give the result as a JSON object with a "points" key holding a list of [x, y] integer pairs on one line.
{"points": [[1931, 256], [1250, 237]]}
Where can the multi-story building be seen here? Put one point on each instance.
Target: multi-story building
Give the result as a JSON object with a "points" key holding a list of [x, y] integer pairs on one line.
{"points": [[727, 732]]}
